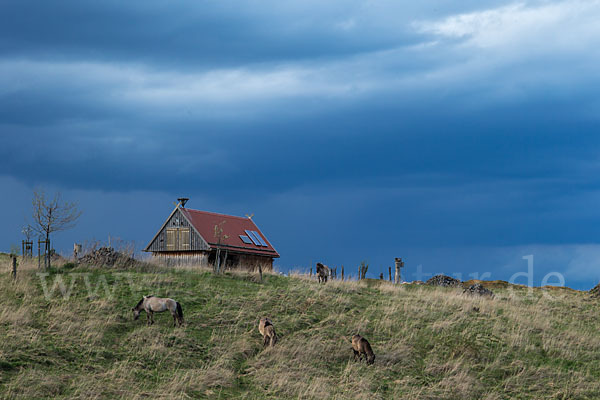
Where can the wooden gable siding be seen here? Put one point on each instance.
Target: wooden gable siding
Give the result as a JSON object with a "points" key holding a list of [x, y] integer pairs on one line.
{"points": [[170, 234]]}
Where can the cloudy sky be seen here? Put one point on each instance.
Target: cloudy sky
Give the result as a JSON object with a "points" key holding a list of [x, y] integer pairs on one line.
{"points": [[460, 136]]}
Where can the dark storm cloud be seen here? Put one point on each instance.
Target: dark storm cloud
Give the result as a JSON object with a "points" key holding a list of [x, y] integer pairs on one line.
{"points": [[185, 34], [462, 183]]}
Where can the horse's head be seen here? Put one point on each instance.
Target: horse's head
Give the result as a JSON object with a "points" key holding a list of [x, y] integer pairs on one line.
{"points": [[136, 313], [138, 308], [371, 359]]}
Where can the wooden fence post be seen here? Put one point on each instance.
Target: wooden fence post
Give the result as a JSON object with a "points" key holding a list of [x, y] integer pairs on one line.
{"points": [[342, 272], [260, 271], [381, 276], [14, 266], [390, 271], [399, 264]]}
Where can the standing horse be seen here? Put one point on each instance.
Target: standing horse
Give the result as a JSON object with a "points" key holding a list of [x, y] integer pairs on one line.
{"points": [[322, 272], [266, 328], [152, 304]]}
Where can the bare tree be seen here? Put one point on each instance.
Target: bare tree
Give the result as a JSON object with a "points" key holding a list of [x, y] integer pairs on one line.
{"points": [[27, 231], [220, 238], [52, 215]]}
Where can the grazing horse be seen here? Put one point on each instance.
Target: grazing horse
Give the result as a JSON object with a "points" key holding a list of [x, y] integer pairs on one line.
{"points": [[266, 328], [152, 304], [361, 347], [322, 272]]}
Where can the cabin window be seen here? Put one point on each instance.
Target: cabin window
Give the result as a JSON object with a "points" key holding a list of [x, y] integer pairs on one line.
{"points": [[178, 239], [171, 238], [184, 238]]}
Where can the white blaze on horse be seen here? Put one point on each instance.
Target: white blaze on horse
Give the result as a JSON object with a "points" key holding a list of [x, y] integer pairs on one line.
{"points": [[152, 304]]}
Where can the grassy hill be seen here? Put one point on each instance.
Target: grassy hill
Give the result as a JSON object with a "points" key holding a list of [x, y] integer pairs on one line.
{"points": [[430, 343]]}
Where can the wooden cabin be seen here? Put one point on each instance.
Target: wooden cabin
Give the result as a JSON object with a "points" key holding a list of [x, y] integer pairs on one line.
{"points": [[197, 238]]}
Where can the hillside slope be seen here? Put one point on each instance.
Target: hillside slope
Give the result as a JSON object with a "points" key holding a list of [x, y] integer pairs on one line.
{"points": [[430, 343]]}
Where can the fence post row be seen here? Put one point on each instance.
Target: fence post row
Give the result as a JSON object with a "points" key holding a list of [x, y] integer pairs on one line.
{"points": [[46, 244]]}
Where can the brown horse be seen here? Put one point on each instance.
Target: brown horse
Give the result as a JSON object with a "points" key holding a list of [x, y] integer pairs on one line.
{"points": [[322, 272], [361, 347], [152, 304], [266, 328]]}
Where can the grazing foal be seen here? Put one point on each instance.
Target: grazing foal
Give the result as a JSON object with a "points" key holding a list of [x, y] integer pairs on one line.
{"points": [[361, 347], [152, 304]]}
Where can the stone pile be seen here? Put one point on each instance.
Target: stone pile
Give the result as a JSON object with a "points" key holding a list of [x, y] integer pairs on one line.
{"points": [[478, 290], [443, 280], [106, 257]]}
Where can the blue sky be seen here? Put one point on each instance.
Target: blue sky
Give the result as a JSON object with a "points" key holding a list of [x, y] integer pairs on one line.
{"points": [[461, 137]]}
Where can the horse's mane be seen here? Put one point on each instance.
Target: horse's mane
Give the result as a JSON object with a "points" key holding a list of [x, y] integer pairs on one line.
{"points": [[142, 300], [322, 267], [139, 303]]}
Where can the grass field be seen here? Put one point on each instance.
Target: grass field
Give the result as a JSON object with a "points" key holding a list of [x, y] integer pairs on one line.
{"points": [[430, 343]]}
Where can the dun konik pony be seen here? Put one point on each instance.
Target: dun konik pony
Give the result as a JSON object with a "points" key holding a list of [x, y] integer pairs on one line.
{"points": [[322, 272], [266, 328], [152, 304], [361, 347]]}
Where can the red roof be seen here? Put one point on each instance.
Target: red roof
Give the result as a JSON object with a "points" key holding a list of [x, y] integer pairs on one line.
{"points": [[204, 222]]}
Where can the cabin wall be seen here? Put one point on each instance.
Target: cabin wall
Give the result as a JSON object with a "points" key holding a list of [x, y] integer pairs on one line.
{"points": [[177, 220], [251, 262], [181, 259], [246, 262]]}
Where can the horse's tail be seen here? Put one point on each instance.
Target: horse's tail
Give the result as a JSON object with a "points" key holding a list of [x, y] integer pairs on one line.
{"points": [[179, 311]]}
